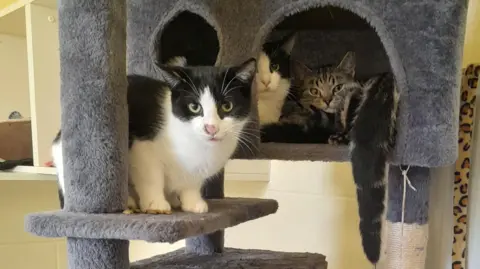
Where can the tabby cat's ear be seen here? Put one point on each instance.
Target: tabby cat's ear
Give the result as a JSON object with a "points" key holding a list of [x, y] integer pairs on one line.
{"points": [[246, 70], [288, 43], [300, 70], [347, 65]]}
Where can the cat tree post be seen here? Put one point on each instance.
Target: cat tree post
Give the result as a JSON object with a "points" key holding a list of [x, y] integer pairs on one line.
{"points": [[407, 245], [94, 122]]}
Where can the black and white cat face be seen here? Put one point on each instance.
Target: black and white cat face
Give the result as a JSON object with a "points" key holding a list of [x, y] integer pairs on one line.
{"points": [[210, 103], [273, 66]]}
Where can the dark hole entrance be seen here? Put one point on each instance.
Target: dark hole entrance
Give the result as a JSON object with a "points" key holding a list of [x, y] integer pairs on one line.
{"points": [[325, 34], [191, 36]]}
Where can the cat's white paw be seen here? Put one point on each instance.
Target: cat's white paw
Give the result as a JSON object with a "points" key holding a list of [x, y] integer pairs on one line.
{"points": [[156, 206], [195, 206]]}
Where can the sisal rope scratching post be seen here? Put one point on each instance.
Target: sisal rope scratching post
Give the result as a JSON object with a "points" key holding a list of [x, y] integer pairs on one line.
{"points": [[406, 241]]}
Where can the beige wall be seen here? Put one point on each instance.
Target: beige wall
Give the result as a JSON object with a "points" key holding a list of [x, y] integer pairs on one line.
{"points": [[13, 76], [18, 249], [471, 53], [317, 213]]}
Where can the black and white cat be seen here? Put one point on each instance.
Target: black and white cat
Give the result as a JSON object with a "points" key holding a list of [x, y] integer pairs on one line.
{"points": [[273, 80], [181, 132]]}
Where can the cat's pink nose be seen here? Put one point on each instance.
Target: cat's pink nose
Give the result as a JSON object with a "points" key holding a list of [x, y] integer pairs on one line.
{"points": [[211, 129], [266, 83]]}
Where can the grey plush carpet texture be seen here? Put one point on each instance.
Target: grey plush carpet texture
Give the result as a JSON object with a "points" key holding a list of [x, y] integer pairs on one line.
{"points": [[223, 213], [234, 258]]}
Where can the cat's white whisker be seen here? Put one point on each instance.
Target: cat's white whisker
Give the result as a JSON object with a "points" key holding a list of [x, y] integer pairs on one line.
{"points": [[192, 85], [231, 89], [223, 82], [228, 84]]}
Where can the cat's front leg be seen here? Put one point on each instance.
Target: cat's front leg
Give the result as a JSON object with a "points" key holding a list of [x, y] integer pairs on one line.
{"points": [[148, 177], [192, 201]]}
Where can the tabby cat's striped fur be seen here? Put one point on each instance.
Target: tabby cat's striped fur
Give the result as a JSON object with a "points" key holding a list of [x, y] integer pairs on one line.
{"points": [[331, 90]]}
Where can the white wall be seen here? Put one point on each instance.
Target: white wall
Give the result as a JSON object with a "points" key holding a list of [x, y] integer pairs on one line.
{"points": [[13, 76], [44, 77]]}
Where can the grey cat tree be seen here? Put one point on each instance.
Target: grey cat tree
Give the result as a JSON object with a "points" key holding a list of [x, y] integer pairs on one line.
{"points": [[419, 41]]}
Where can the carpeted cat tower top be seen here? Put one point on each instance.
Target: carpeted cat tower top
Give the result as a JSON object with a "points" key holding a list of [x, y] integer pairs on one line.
{"points": [[419, 41]]}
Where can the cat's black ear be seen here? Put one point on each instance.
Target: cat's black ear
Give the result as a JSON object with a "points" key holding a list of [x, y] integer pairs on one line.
{"points": [[347, 65], [172, 75], [288, 43], [246, 70], [300, 70]]}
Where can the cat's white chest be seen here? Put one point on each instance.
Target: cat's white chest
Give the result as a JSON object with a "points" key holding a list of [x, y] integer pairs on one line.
{"points": [[189, 162], [270, 104]]}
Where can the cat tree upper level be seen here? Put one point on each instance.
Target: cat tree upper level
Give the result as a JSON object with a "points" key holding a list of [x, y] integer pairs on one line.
{"points": [[419, 41]]}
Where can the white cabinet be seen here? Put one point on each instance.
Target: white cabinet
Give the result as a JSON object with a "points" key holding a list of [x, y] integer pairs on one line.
{"points": [[29, 70]]}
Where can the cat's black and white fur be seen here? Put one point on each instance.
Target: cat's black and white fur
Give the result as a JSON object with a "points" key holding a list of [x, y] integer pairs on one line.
{"points": [[181, 132], [273, 79]]}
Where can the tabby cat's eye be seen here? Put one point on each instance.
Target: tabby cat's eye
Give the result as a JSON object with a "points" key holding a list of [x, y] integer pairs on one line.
{"points": [[194, 107], [274, 67], [227, 106], [314, 92], [337, 88]]}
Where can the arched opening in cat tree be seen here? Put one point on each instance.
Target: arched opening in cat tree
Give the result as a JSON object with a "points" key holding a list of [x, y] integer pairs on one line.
{"points": [[324, 34], [190, 35]]}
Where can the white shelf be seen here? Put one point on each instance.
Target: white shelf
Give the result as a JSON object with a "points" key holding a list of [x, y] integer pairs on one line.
{"points": [[29, 33], [9, 176], [12, 17], [235, 170], [19, 4]]}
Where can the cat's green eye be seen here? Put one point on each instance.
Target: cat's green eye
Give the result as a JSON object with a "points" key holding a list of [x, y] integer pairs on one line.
{"points": [[337, 88], [194, 107], [227, 106], [314, 92], [274, 67]]}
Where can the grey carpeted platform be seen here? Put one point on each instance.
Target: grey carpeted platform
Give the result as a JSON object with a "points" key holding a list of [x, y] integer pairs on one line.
{"points": [[234, 258], [223, 213], [304, 152]]}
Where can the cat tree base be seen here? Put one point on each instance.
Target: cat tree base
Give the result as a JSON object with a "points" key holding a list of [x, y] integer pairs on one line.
{"points": [[234, 258]]}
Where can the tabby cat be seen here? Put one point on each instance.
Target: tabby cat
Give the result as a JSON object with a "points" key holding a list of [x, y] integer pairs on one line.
{"points": [[322, 106], [182, 131], [272, 81]]}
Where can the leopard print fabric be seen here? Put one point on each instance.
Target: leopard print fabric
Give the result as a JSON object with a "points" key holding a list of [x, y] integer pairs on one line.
{"points": [[462, 171]]}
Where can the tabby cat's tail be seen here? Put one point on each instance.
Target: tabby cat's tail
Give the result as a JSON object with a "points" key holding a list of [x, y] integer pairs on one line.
{"points": [[372, 138]]}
